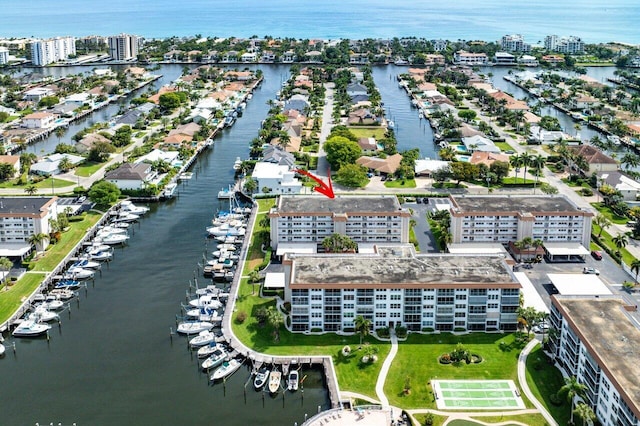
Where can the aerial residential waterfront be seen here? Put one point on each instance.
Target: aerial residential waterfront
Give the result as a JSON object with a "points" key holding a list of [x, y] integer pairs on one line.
{"points": [[114, 357]]}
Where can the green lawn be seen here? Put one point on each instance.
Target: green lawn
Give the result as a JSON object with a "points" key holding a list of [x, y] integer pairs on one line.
{"points": [[607, 240], [88, 168], [418, 358], [544, 380], [400, 183], [504, 146], [609, 214], [43, 184], [511, 180], [11, 299], [368, 132], [68, 239]]}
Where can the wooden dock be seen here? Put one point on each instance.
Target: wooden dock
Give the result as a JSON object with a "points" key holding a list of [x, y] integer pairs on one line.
{"points": [[259, 358]]}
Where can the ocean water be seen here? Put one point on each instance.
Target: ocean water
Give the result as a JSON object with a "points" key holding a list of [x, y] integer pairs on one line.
{"points": [[594, 21]]}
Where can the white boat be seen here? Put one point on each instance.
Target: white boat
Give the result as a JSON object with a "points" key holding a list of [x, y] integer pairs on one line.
{"points": [[53, 302], [42, 314], [100, 256], [207, 350], [109, 229], [206, 301], [112, 239], [2, 350], [203, 338], [226, 194], [215, 359], [61, 294], [84, 262], [77, 273], [274, 381], [226, 369], [227, 230], [237, 165], [169, 190], [204, 314], [193, 327], [67, 284], [211, 290], [292, 381], [129, 207], [185, 176], [229, 239], [97, 246], [391, 124], [125, 217], [30, 329], [261, 377]]}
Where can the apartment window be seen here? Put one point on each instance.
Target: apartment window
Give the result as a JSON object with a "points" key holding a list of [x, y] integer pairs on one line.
{"points": [[461, 297], [349, 297], [381, 297], [395, 306]]}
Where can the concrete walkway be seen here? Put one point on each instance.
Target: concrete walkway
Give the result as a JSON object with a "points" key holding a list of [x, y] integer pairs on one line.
{"points": [[382, 376], [522, 379]]}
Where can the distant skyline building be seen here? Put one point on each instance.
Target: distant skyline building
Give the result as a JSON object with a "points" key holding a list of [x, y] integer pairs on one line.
{"points": [[123, 47], [571, 44], [49, 51], [4, 55], [515, 43]]}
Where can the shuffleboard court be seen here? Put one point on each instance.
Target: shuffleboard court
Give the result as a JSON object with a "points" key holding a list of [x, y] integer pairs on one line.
{"points": [[477, 394]]}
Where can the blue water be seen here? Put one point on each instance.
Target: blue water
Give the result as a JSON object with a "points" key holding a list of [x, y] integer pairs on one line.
{"points": [[594, 21]]}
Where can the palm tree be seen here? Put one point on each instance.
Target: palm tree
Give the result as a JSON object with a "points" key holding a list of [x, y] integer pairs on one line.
{"points": [[5, 266], [585, 413], [362, 326], [572, 388], [250, 185], [275, 319], [516, 162], [445, 239], [59, 132], [537, 163], [635, 267], [602, 221], [526, 162], [620, 240], [65, 164], [37, 240], [31, 189]]}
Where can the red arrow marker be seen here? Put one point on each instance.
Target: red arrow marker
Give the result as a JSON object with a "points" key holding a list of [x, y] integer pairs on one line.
{"points": [[323, 188]]}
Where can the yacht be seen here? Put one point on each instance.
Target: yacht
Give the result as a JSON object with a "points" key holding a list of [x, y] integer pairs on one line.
{"points": [[261, 377], [215, 359], [30, 328], [227, 369], [129, 207], [194, 327], [237, 165], [292, 382]]}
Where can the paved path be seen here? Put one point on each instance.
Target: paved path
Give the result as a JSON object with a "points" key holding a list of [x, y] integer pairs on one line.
{"points": [[522, 379], [382, 376]]}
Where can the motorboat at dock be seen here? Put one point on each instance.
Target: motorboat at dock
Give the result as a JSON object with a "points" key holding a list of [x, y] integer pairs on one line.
{"points": [[262, 375], [128, 207], [194, 327], [293, 380], [215, 359], [30, 328], [275, 378], [227, 369]]}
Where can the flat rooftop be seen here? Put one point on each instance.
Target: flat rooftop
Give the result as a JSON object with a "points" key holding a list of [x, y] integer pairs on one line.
{"points": [[339, 204], [22, 205], [613, 338], [513, 204], [399, 269]]}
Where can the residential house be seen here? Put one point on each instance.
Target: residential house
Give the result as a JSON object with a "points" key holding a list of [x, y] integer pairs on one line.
{"points": [[64, 110], [279, 179], [480, 143], [583, 102], [359, 58], [488, 158], [354, 89], [131, 176], [387, 166], [130, 117], [553, 59], [363, 116], [598, 161], [14, 160], [509, 102], [49, 165], [268, 57], [439, 45], [277, 155], [248, 57], [38, 120], [426, 167], [369, 146], [299, 103], [538, 135], [37, 93], [230, 56], [528, 61], [504, 58], [86, 143], [313, 56], [620, 181], [462, 57], [170, 157], [288, 57]]}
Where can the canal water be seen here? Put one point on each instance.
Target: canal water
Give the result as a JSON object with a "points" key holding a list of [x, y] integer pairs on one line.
{"points": [[112, 362]]}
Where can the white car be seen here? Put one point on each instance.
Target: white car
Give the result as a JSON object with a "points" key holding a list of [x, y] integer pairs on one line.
{"points": [[589, 270]]}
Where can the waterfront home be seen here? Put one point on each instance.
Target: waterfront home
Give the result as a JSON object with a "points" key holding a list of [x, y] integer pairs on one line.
{"points": [[268, 57], [299, 103], [621, 182], [463, 57], [509, 102], [277, 155], [289, 57], [504, 58], [64, 110], [313, 56], [230, 56], [79, 99], [355, 89], [248, 57], [38, 120], [363, 116], [369, 146], [170, 157], [37, 93], [279, 179], [426, 167], [553, 59], [131, 176], [130, 118], [488, 158], [528, 61], [538, 135], [582, 102]]}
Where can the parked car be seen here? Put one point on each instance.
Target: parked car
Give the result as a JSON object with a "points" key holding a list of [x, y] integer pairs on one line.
{"points": [[589, 270], [631, 224], [597, 255]]}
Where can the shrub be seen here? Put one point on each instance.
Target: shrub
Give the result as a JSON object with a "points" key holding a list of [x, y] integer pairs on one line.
{"points": [[476, 358], [383, 332], [586, 192], [444, 359], [427, 330], [401, 331], [316, 330], [241, 317], [287, 306], [555, 399]]}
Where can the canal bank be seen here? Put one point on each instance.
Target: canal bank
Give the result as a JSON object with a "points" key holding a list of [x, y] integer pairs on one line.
{"points": [[112, 362]]}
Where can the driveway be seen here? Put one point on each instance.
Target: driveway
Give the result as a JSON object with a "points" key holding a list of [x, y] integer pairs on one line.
{"points": [[426, 241]]}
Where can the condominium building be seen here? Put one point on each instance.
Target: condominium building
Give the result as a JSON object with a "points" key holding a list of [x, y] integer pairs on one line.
{"points": [[123, 47], [44, 52], [597, 341], [395, 287], [22, 217], [463, 57], [504, 219], [514, 43], [571, 44], [305, 221], [4, 55]]}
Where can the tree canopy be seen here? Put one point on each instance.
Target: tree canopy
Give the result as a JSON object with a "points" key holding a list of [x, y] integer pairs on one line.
{"points": [[341, 151], [352, 176], [104, 193]]}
